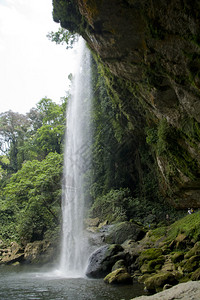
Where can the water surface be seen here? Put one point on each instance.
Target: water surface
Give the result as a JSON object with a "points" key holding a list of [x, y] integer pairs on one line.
{"points": [[20, 283]]}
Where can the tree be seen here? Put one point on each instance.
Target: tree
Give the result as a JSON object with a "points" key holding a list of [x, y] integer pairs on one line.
{"points": [[48, 121], [13, 130], [33, 195]]}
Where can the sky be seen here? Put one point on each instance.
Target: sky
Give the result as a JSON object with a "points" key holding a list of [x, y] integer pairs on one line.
{"points": [[31, 66]]}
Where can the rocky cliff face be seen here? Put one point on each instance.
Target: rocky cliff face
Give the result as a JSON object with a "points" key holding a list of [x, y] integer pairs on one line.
{"points": [[150, 51]]}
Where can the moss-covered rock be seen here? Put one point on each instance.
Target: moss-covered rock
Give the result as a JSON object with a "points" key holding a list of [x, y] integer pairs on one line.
{"points": [[193, 251], [196, 274], [192, 264], [119, 264], [177, 257], [123, 231], [150, 254], [185, 230], [39, 252], [157, 281], [118, 276], [152, 266]]}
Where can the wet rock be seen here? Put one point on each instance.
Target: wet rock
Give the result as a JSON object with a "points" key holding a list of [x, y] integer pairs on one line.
{"points": [[119, 264], [118, 276], [38, 252], [102, 224], [12, 254], [92, 222], [12, 258], [102, 260], [16, 248]]}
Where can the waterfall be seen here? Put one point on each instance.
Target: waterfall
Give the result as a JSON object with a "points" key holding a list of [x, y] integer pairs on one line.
{"points": [[74, 246]]}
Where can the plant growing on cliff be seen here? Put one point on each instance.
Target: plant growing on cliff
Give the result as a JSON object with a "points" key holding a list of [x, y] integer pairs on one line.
{"points": [[63, 36]]}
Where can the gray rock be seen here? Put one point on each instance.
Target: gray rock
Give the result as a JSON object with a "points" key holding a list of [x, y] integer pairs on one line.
{"points": [[123, 231], [182, 291], [102, 260]]}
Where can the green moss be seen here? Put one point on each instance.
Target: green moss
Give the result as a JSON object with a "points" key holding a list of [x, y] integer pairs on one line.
{"points": [[177, 256], [194, 251], [157, 233], [153, 265], [150, 254], [196, 274], [191, 264], [168, 146], [189, 225], [151, 136], [191, 131], [157, 281]]}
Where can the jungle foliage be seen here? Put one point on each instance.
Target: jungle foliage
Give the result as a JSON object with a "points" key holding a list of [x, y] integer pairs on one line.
{"points": [[31, 170]]}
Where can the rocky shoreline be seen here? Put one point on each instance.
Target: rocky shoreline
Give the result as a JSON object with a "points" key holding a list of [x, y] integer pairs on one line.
{"points": [[38, 252], [159, 259], [183, 291]]}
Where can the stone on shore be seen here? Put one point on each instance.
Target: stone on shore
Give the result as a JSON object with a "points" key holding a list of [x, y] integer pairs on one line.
{"points": [[182, 291]]}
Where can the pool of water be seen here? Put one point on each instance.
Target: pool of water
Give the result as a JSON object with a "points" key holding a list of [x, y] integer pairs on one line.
{"points": [[22, 283]]}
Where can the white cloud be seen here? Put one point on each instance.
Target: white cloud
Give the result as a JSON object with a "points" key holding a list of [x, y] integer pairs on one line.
{"points": [[31, 66]]}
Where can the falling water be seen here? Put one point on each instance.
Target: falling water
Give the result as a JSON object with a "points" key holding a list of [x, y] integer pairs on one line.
{"points": [[77, 159]]}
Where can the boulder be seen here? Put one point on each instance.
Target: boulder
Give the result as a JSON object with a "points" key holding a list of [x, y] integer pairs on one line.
{"points": [[123, 231], [12, 254], [152, 266], [92, 222], [158, 281], [16, 248], [119, 264], [118, 276], [150, 254], [38, 252], [193, 251], [177, 257], [102, 260], [191, 264], [183, 291], [12, 258]]}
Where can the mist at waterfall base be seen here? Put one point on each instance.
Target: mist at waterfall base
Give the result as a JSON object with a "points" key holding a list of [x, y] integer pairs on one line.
{"points": [[67, 280]]}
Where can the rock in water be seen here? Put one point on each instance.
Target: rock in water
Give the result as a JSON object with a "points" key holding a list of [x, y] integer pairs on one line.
{"points": [[118, 276], [102, 260]]}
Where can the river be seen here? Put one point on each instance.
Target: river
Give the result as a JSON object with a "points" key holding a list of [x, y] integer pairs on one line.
{"points": [[18, 283]]}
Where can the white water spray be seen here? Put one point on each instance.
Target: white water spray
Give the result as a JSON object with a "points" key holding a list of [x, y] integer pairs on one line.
{"points": [[74, 252]]}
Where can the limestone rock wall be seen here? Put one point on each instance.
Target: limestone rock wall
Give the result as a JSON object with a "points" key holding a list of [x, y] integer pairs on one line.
{"points": [[150, 51]]}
